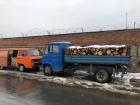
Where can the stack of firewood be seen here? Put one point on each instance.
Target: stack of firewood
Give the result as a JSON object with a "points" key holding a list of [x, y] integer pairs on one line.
{"points": [[117, 51]]}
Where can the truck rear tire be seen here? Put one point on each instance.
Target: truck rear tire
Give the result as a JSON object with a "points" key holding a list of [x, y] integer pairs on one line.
{"points": [[102, 76], [47, 70], [21, 68]]}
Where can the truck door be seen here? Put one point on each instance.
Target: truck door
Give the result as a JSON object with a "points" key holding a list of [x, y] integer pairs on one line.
{"points": [[55, 58]]}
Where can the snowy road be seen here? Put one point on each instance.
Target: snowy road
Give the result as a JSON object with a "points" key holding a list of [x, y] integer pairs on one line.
{"points": [[81, 79], [21, 91]]}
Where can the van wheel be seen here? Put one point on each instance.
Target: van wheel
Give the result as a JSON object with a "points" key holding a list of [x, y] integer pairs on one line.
{"points": [[102, 76], [21, 68], [47, 70]]}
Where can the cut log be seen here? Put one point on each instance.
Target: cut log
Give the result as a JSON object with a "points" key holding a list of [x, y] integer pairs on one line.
{"points": [[122, 51], [108, 52], [100, 53]]}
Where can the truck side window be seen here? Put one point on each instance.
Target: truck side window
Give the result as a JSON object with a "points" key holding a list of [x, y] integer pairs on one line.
{"points": [[54, 49], [46, 50], [23, 53], [51, 49]]}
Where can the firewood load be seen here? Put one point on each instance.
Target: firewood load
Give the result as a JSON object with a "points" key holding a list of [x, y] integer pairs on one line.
{"points": [[112, 50]]}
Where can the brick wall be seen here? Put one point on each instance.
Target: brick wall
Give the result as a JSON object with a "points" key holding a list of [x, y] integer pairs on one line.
{"points": [[129, 37], [134, 55]]}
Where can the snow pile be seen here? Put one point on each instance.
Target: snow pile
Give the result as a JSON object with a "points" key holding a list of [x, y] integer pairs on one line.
{"points": [[97, 46], [74, 47], [126, 79], [81, 72], [104, 87], [115, 89], [105, 46], [132, 75]]}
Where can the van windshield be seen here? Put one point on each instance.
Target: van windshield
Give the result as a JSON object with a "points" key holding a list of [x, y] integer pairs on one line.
{"points": [[34, 52]]}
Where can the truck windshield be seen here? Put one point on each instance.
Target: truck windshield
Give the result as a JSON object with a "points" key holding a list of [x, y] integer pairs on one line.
{"points": [[34, 52]]}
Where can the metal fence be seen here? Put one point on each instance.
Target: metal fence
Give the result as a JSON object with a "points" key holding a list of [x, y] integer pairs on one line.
{"points": [[44, 31]]}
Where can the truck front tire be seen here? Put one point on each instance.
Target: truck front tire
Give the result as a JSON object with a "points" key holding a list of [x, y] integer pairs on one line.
{"points": [[21, 68], [102, 76], [47, 70]]}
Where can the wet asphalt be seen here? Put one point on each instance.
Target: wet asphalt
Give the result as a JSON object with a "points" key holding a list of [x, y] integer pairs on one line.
{"points": [[20, 91]]}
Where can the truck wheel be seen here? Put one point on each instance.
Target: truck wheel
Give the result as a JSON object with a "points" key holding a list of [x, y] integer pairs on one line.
{"points": [[47, 70], [102, 76], [21, 68]]}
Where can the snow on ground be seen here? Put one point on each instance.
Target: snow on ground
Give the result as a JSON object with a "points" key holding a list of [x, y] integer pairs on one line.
{"points": [[126, 78], [81, 72], [132, 75], [120, 85], [123, 81]]}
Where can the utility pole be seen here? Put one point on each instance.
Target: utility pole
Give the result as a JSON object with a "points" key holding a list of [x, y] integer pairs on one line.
{"points": [[82, 29], [126, 20], [134, 25], [48, 32]]}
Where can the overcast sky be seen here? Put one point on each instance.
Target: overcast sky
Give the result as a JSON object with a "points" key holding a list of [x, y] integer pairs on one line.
{"points": [[21, 16]]}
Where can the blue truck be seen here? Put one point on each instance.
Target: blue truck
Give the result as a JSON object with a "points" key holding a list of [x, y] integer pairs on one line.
{"points": [[101, 67]]}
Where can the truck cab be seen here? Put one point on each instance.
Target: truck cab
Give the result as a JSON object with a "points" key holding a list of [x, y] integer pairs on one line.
{"points": [[53, 59], [29, 58]]}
